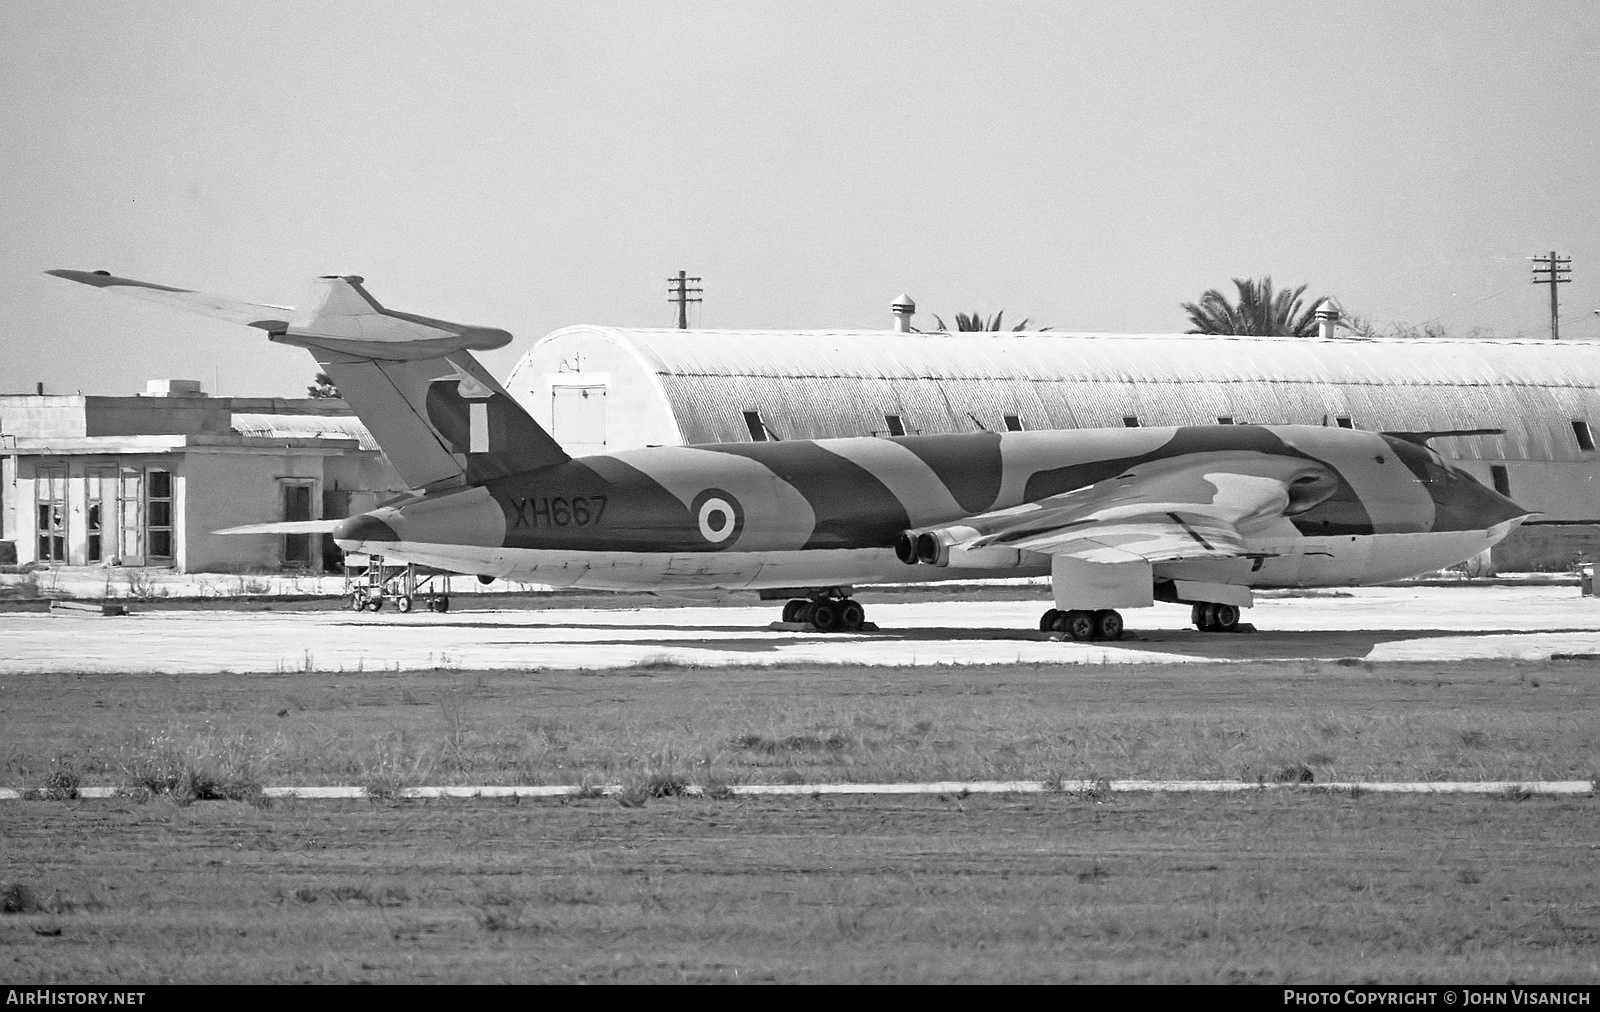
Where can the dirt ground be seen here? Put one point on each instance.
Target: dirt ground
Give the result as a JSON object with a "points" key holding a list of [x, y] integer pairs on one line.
{"points": [[1054, 888]]}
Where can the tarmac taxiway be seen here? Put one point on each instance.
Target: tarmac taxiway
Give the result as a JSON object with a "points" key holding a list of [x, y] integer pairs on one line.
{"points": [[1397, 623]]}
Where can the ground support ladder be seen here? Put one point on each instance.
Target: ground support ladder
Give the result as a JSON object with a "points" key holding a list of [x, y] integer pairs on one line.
{"points": [[369, 586]]}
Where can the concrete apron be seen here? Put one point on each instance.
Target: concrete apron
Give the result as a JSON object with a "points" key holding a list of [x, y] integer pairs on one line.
{"points": [[1372, 624]]}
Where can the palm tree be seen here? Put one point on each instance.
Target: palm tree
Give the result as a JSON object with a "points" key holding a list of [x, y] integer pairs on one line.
{"points": [[1259, 311], [975, 322], [323, 387]]}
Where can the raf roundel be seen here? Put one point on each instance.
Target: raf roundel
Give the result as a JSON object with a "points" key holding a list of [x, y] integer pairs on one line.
{"points": [[719, 516]]}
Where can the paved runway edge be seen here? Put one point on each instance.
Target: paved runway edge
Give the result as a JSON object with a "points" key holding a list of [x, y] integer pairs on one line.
{"points": [[1075, 787]]}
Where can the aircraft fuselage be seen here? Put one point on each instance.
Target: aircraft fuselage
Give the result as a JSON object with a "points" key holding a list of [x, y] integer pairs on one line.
{"points": [[1363, 508]]}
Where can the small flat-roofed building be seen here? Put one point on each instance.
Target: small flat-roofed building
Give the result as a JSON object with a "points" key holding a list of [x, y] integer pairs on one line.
{"points": [[604, 389], [147, 480]]}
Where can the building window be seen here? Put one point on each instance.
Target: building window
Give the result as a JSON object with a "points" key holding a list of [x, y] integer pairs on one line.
{"points": [[1224, 419], [1502, 479], [1344, 422], [1131, 421], [896, 426], [101, 485], [158, 514], [758, 428], [1014, 423], [130, 517], [50, 493], [1580, 428]]}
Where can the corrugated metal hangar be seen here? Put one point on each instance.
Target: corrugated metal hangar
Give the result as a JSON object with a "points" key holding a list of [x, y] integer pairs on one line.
{"points": [[601, 389]]}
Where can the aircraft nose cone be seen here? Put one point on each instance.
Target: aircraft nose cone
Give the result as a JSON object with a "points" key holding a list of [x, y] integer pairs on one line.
{"points": [[1461, 504], [365, 527]]}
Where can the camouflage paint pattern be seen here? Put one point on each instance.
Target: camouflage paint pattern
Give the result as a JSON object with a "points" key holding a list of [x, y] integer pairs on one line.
{"points": [[864, 493]]}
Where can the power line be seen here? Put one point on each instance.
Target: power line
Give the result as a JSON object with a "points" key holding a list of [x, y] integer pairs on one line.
{"points": [[679, 287], [1553, 272]]}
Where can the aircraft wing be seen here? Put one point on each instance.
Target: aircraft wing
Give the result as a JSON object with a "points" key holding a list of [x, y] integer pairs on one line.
{"points": [[1200, 505], [1155, 536], [274, 319]]}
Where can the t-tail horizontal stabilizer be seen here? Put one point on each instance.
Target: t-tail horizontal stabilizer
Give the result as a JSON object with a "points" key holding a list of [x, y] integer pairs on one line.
{"points": [[441, 419], [285, 527]]}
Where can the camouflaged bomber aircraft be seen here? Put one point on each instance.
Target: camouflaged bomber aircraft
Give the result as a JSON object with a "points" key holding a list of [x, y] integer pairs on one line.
{"points": [[1117, 518]]}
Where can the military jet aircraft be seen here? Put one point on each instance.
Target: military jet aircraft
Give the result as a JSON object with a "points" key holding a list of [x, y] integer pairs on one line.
{"points": [[1117, 518]]}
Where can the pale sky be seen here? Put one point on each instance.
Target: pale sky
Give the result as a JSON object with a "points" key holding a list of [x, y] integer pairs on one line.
{"points": [[535, 165]]}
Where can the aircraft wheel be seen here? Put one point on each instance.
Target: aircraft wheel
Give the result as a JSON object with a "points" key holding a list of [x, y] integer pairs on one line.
{"points": [[402, 603], [791, 611], [851, 615], [358, 601], [1080, 625], [825, 616], [374, 603], [443, 603], [1224, 618], [1047, 621], [1108, 625], [1203, 615]]}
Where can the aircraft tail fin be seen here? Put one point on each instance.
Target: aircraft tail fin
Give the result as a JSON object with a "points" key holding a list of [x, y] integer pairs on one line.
{"points": [[441, 419]]}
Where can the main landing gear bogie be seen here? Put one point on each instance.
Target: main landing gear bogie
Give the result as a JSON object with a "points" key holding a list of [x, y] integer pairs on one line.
{"points": [[1104, 624], [826, 614], [1215, 617]]}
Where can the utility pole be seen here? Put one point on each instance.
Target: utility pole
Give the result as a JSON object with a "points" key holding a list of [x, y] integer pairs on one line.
{"points": [[679, 287], [1555, 273]]}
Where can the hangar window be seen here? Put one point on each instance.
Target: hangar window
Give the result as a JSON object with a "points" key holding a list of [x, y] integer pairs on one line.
{"points": [[1014, 423], [1502, 479], [896, 426], [1224, 419], [1131, 421], [1580, 428], [758, 428], [1345, 422]]}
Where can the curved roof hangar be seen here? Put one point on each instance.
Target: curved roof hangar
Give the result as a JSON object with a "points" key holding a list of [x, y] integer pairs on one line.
{"points": [[676, 386]]}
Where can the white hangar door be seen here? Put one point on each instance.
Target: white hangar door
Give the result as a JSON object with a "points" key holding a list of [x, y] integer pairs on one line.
{"points": [[578, 418]]}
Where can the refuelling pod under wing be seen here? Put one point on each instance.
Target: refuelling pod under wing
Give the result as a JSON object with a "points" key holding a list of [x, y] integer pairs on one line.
{"points": [[950, 547]]}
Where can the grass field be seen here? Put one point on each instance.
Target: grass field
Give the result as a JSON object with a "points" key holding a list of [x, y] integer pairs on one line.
{"points": [[1463, 721], [1262, 888]]}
